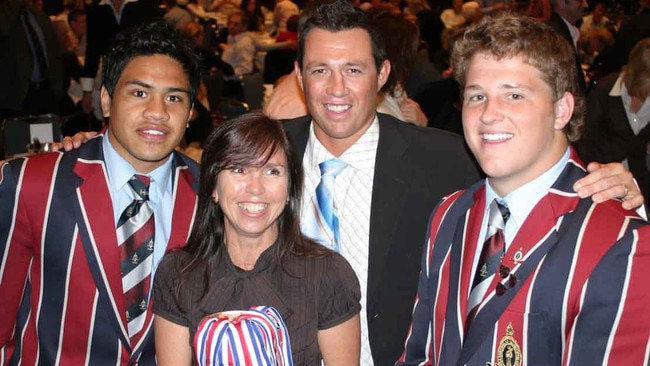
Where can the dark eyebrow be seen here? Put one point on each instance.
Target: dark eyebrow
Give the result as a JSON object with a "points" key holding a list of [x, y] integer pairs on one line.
{"points": [[148, 86]]}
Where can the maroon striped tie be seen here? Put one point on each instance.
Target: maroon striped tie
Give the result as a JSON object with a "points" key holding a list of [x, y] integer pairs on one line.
{"points": [[135, 233], [490, 258]]}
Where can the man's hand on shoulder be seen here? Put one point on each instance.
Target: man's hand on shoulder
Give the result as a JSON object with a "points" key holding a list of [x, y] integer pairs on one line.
{"points": [[73, 142], [610, 181]]}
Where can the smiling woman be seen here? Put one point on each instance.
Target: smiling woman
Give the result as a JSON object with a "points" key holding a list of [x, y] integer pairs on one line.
{"points": [[246, 250]]}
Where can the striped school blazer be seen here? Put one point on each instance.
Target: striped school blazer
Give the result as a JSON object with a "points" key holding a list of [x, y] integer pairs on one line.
{"points": [[581, 296], [61, 291]]}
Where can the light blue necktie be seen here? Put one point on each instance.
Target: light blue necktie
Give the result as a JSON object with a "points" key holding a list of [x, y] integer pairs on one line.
{"points": [[324, 216]]}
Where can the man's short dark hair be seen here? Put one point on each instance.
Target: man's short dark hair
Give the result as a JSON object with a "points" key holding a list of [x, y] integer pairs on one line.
{"points": [[336, 16], [74, 14], [148, 39]]}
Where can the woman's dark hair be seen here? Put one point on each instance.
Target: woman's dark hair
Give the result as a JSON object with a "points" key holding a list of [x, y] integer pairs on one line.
{"points": [[401, 39], [250, 139], [157, 38], [255, 19]]}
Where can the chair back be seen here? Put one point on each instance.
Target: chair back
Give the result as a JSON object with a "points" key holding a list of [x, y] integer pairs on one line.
{"points": [[253, 86], [278, 63], [18, 132]]}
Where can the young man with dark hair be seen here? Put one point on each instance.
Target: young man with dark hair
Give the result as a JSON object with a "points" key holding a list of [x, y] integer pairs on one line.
{"points": [[79, 242]]}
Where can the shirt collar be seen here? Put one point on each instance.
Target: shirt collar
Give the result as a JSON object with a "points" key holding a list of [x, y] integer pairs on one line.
{"points": [[239, 36], [110, 2], [120, 171], [522, 200], [575, 32], [116, 12], [617, 89], [356, 156]]}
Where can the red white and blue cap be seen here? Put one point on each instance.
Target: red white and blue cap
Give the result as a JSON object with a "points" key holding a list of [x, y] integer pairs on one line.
{"points": [[257, 336]]}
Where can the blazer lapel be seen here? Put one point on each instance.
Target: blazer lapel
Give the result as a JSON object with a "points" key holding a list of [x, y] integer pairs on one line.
{"points": [[392, 175], [185, 202], [536, 237], [94, 211], [464, 220]]}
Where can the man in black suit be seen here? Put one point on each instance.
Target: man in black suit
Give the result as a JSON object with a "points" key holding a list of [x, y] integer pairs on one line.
{"points": [[341, 66], [105, 20], [395, 173], [28, 86], [564, 17], [633, 29]]}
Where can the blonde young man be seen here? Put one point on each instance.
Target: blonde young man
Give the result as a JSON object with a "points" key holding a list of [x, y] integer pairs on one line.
{"points": [[519, 270]]}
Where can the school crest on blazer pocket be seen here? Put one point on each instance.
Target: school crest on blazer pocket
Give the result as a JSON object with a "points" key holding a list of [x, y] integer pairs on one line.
{"points": [[509, 352]]}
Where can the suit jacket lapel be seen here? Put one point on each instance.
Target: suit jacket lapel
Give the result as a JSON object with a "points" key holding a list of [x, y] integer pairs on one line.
{"points": [[94, 211], [391, 179], [298, 131], [617, 112], [392, 175], [535, 238]]}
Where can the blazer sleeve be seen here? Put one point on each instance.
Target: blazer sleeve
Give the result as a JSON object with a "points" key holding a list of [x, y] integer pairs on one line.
{"points": [[16, 251], [613, 323]]}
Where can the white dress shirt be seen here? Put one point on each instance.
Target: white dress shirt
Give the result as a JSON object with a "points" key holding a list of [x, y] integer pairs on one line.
{"points": [[520, 203], [240, 53], [639, 119], [352, 199], [160, 195]]}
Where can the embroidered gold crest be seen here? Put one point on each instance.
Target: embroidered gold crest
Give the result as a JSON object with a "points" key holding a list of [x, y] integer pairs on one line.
{"points": [[509, 353]]}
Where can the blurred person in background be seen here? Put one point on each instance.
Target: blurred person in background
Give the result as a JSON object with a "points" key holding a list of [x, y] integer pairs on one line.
{"points": [[453, 17], [618, 112], [31, 64], [105, 19], [401, 40], [176, 14], [596, 19]]}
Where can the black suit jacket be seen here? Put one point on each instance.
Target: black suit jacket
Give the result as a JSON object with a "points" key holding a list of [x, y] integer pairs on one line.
{"points": [[608, 136], [16, 58], [633, 29], [415, 167], [103, 27], [561, 28]]}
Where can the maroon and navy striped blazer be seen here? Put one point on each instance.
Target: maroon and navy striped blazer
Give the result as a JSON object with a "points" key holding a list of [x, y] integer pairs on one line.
{"points": [[61, 297], [582, 295]]}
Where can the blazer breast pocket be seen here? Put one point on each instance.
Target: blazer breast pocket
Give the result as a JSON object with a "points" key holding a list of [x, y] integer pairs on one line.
{"points": [[528, 338]]}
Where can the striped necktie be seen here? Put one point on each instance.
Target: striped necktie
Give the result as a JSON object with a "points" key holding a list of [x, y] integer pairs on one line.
{"points": [[322, 224], [490, 258], [135, 235]]}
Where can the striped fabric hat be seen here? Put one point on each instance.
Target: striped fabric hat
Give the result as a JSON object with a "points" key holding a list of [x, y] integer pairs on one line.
{"points": [[257, 336]]}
